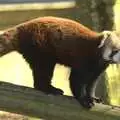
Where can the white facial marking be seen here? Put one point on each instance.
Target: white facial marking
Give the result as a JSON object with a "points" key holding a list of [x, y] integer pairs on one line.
{"points": [[107, 53], [116, 57], [111, 46], [104, 38]]}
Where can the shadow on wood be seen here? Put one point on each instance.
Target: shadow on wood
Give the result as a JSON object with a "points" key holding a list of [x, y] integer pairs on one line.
{"points": [[27, 101]]}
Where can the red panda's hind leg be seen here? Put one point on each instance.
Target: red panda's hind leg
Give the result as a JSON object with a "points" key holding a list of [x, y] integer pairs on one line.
{"points": [[42, 75]]}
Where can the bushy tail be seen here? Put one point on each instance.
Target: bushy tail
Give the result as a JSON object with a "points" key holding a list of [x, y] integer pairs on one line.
{"points": [[7, 39]]}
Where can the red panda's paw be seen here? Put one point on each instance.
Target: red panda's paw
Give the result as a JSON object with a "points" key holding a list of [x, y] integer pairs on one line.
{"points": [[51, 90], [97, 99], [55, 91], [86, 102]]}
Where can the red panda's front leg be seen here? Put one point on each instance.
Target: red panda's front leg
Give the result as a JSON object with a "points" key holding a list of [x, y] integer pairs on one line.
{"points": [[82, 82], [96, 69], [78, 86]]}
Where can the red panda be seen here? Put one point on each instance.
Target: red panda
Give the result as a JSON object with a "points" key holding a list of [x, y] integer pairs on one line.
{"points": [[45, 41]]}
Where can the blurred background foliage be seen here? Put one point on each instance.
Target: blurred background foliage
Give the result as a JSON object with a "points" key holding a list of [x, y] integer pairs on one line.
{"points": [[96, 14]]}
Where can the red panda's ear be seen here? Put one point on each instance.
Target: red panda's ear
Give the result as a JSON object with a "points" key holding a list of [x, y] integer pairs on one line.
{"points": [[106, 35]]}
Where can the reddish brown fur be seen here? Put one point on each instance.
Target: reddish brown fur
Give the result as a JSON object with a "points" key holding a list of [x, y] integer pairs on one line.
{"points": [[66, 39]]}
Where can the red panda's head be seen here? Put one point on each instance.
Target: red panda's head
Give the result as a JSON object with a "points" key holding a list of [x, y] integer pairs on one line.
{"points": [[110, 45]]}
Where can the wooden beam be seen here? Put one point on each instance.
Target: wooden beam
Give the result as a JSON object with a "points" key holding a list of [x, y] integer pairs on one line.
{"points": [[27, 101], [18, 6]]}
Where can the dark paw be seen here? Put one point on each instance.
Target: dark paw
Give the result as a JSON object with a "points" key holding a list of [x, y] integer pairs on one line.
{"points": [[55, 91], [86, 102], [50, 90], [97, 100]]}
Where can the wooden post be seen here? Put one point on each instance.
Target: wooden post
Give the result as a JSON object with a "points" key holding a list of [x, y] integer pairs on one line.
{"points": [[27, 101]]}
